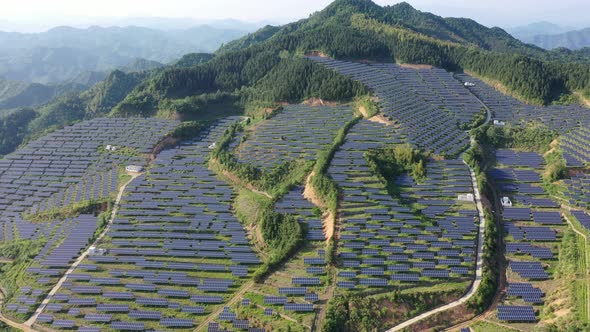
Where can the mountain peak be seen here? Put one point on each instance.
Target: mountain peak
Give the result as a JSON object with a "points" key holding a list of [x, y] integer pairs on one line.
{"points": [[364, 6]]}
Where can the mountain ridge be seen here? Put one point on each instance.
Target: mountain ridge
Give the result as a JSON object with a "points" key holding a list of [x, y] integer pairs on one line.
{"points": [[573, 40], [267, 67], [62, 53]]}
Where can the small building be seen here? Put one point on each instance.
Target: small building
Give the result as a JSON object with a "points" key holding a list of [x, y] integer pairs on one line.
{"points": [[466, 198], [134, 168], [94, 251], [499, 123], [506, 202]]}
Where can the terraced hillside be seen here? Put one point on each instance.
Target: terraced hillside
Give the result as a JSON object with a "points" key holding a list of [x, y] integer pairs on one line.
{"points": [[306, 218]]}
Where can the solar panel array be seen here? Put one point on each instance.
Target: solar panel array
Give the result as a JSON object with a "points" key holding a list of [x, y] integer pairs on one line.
{"points": [[532, 225], [583, 218], [526, 291], [511, 110], [429, 104], [70, 165], [56, 256], [174, 253], [576, 147], [381, 242], [297, 132], [514, 313], [578, 190], [294, 203], [521, 159]]}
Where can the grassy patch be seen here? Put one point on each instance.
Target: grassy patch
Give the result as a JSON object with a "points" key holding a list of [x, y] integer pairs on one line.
{"points": [[483, 326], [249, 206], [22, 252], [73, 210]]}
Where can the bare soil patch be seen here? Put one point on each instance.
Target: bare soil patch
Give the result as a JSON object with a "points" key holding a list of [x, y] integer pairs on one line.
{"points": [[415, 66], [319, 102], [317, 53], [328, 219]]}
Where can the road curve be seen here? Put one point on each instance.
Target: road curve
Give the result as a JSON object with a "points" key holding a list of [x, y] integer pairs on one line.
{"points": [[54, 290], [478, 270]]}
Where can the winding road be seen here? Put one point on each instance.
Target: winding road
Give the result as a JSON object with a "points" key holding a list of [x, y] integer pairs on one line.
{"points": [[480, 241], [54, 290], [478, 271]]}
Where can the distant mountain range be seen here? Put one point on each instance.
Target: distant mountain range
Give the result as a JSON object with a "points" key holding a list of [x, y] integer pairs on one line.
{"points": [[550, 36], [63, 53], [538, 28], [574, 40]]}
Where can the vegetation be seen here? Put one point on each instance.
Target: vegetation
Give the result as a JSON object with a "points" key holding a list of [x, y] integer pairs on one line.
{"points": [[250, 78], [13, 127], [65, 54], [277, 181], [323, 185], [555, 167], [489, 279], [530, 137], [189, 129], [392, 161], [266, 66], [284, 235], [193, 59], [366, 105], [70, 211], [476, 158], [476, 122], [571, 270], [485, 326], [354, 312], [22, 253], [6, 328]]}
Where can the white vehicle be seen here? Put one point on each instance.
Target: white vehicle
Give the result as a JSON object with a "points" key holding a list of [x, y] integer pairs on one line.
{"points": [[506, 202]]}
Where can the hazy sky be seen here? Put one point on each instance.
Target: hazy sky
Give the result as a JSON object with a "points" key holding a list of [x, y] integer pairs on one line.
{"points": [[39, 14]]}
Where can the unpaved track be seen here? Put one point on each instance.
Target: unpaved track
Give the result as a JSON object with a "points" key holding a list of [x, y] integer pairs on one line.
{"points": [[9, 322], [53, 291], [478, 270], [237, 296], [585, 259]]}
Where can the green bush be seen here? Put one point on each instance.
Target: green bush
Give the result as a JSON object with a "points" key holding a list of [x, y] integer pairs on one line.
{"points": [[391, 161], [531, 137], [555, 167]]}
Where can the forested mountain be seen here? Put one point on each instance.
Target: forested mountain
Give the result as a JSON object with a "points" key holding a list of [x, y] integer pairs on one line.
{"points": [[63, 53], [14, 94], [193, 59], [267, 67], [573, 40], [360, 29]]}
